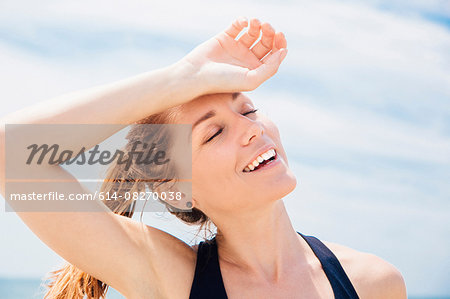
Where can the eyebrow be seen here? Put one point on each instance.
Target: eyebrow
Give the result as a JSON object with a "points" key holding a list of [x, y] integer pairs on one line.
{"points": [[212, 113]]}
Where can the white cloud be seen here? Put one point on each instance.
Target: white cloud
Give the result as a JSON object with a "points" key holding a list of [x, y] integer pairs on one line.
{"points": [[321, 129], [363, 105]]}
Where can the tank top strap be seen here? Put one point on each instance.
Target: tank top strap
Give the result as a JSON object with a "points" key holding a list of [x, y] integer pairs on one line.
{"points": [[341, 284], [208, 282]]}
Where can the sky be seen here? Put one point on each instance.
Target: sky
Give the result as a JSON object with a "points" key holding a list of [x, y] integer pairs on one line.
{"points": [[361, 102]]}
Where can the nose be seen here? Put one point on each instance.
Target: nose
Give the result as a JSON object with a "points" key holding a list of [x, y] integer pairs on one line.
{"points": [[252, 130]]}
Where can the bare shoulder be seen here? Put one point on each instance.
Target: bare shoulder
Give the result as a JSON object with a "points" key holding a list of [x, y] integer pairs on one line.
{"points": [[163, 259], [371, 276]]}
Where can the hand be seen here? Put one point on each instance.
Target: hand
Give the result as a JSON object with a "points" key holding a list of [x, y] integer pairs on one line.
{"points": [[226, 64]]}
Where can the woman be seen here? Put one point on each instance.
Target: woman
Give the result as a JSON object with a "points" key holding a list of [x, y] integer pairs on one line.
{"points": [[256, 252]]}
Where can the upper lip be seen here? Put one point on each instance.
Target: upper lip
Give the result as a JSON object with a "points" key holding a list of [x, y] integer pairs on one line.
{"points": [[259, 152]]}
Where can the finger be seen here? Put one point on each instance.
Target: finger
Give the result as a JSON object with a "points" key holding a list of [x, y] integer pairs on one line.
{"points": [[266, 70], [265, 44], [236, 27], [279, 41], [252, 34]]}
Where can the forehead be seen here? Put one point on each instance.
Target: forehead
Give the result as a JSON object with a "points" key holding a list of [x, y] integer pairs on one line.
{"points": [[192, 110]]}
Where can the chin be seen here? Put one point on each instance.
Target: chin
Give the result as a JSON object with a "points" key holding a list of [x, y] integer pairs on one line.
{"points": [[283, 186], [290, 184]]}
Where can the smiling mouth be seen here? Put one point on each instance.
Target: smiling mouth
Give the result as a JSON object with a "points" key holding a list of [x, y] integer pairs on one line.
{"points": [[261, 161]]}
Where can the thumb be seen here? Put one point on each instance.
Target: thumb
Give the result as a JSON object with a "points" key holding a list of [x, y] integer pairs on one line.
{"points": [[266, 70]]}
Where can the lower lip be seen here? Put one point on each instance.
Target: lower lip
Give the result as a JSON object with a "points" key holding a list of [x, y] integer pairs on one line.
{"points": [[269, 165]]}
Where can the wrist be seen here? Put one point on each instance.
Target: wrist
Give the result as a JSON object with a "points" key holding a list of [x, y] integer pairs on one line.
{"points": [[186, 77]]}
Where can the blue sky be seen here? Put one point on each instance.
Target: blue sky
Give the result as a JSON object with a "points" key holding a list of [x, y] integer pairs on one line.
{"points": [[361, 101]]}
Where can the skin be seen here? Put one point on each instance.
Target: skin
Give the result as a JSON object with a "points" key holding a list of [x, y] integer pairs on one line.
{"points": [[218, 190], [261, 255]]}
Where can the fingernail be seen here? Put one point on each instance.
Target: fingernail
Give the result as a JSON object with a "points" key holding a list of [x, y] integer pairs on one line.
{"points": [[283, 53], [243, 21]]}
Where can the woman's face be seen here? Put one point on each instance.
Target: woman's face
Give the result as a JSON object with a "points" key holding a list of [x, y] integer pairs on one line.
{"points": [[226, 137]]}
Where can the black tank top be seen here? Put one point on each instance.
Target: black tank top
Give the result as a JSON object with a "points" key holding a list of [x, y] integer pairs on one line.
{"points": [[208, 281]]}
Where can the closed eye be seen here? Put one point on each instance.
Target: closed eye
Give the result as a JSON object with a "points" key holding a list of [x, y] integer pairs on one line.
{"points": [[221, 129], [251, 111]]}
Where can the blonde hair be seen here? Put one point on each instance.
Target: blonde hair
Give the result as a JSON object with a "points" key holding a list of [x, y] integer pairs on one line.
{"points": [[71, 282]]}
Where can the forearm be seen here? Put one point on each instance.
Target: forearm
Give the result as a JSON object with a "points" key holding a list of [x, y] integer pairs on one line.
{"points": [[122, 102]]}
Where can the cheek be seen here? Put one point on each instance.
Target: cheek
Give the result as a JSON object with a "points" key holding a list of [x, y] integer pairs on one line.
{"points": [[210, 173], [274, 134], [271, 130]]}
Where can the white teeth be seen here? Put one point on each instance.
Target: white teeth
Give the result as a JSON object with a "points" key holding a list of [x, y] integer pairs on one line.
{"points": [[265, 156]]}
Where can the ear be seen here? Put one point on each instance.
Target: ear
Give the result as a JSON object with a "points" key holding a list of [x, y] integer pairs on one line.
{"points": [[178, 196]]}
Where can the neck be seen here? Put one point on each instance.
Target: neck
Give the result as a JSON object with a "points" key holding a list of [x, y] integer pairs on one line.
{"points": [[261, 243]]}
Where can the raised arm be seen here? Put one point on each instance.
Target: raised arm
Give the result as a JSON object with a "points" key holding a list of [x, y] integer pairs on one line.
{"points": [[117, 250]]}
